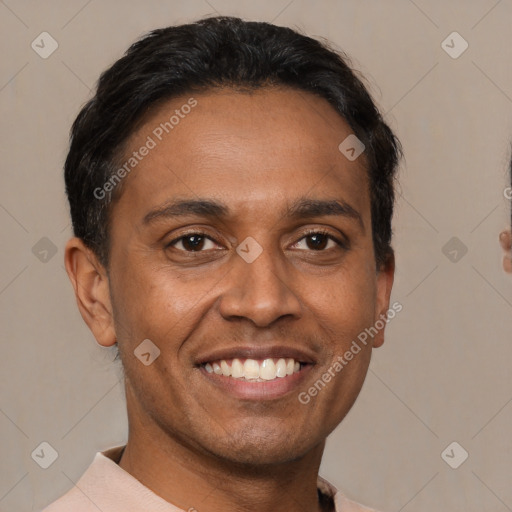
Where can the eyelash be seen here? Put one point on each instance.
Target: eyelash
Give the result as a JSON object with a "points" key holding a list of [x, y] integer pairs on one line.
{"points": [[309, 232]]}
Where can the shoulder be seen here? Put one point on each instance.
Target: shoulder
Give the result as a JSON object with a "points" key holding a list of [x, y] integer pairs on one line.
{"points": [[88, 493], [72, 501]]}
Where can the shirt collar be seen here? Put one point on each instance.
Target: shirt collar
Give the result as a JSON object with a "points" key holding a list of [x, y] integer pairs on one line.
{"points": [[111, 488]]}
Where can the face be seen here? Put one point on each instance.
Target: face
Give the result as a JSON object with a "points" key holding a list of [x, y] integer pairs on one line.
{"points": [[244, 234], [506, 244]]}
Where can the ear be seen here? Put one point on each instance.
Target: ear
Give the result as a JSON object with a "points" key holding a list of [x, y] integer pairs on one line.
{"points": [[506, 245], [385, 278], [90, 282]]}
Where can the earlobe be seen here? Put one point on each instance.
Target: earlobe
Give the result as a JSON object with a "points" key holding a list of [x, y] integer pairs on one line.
{"points": [[91, 286], [385, 278], [507, 264]]}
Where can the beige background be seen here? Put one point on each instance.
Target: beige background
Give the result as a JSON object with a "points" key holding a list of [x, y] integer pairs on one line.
{"points": [[443, 374]]}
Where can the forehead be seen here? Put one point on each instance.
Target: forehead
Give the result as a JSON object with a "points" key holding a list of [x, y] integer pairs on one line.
{"points": [[261, 147]]}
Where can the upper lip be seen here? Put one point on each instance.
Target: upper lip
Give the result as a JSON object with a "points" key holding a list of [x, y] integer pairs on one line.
{"points": [[258, 352]]}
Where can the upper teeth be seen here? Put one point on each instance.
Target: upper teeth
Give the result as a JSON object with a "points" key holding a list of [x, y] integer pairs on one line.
{"points": [[251, 369]]}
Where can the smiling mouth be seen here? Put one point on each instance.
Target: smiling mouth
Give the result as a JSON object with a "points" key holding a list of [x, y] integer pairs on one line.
{"points": [[254, 370]]}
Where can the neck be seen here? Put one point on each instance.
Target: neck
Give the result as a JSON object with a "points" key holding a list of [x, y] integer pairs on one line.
{"points": [[194, 480]]}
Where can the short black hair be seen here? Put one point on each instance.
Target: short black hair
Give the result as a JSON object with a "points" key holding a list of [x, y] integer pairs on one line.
{"points": [[211, 53]]}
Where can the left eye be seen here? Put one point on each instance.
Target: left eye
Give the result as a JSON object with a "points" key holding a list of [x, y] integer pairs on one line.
{"points": [[319, 241]]}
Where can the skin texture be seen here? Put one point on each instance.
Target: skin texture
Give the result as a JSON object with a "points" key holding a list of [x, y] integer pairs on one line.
{"points": [[191, 442], [506, 245]]}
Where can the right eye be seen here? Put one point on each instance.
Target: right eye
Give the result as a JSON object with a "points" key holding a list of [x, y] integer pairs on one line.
{"points": [[192, 242]]}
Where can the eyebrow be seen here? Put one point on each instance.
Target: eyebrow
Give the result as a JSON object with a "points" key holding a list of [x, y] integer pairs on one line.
{"points": [[307, 208], [302, 207]]}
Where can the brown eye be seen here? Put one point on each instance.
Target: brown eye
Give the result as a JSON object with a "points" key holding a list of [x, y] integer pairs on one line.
{"points": [[319, 241], [193, 242]]}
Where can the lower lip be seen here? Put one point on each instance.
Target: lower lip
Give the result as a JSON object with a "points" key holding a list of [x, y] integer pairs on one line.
{"points": [[269, 390]]}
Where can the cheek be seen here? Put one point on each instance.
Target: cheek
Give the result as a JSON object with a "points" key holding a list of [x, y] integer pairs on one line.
{"points": [[151, 302], [343, 313], [346, 303]]}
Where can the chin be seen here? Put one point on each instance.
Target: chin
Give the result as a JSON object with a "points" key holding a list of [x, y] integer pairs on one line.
{"points": [[257, 446]]}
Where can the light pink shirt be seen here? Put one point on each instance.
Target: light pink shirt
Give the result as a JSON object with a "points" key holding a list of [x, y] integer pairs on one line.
{"points": [[106, 487]]}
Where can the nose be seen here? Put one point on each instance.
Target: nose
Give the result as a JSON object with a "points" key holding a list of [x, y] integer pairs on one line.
{"points": [[260, 291]]}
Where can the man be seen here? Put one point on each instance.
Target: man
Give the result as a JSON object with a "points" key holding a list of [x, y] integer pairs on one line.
{"points": [[231, 191], [506, 235], [506, 244]]}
